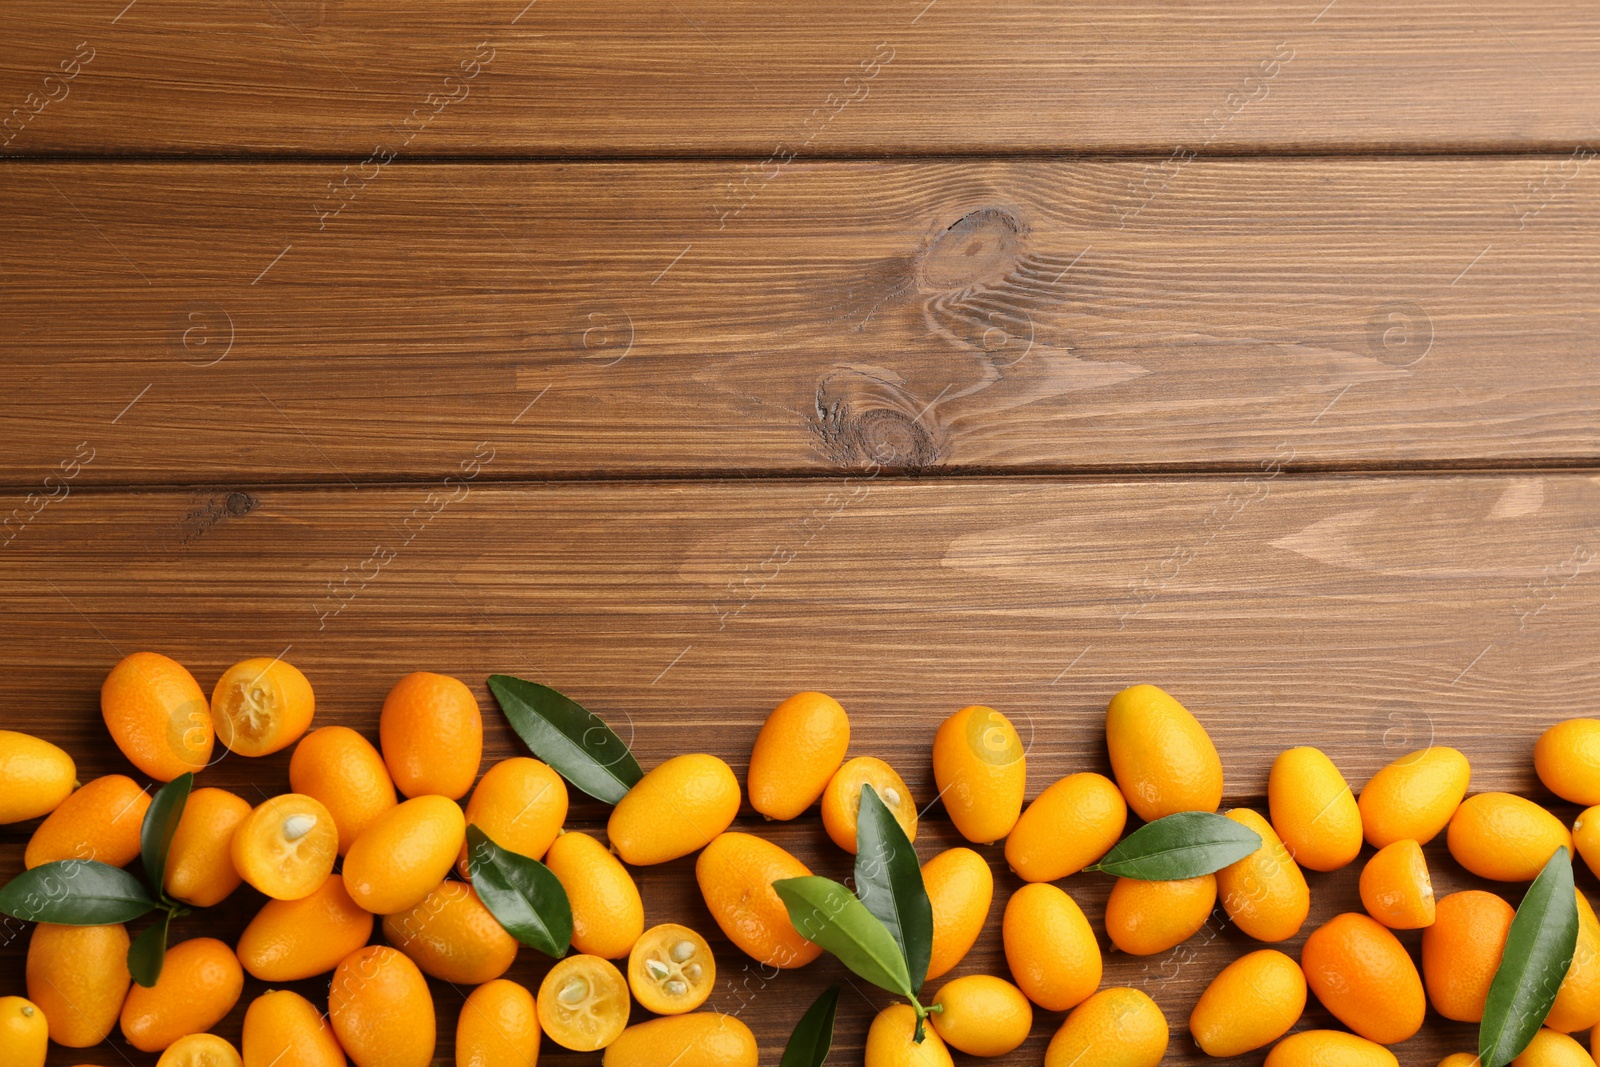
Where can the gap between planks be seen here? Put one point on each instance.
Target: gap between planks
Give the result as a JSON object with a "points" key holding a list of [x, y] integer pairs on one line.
{"points": [[776, 476], [1141, 153]]}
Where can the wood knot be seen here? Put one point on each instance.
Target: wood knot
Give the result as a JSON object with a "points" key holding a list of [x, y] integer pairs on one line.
{"points": [[211, 509], [206, 511], [980, 248], [865, 417]]}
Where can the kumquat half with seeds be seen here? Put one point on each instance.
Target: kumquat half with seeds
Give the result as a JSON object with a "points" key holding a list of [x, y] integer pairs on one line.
{"points": [[375, 855]]}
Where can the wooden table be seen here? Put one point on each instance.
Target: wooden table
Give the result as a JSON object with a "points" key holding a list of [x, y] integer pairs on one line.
{"points": [[684, 355]]}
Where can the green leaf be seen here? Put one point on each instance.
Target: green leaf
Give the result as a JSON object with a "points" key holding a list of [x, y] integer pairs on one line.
{"points": [[149, 951], [76, 893], [1539, 949], [889, 883], [813, 1036], [569, 737], [522, 893], [160, 823], [827, 914], [1185, 845]]}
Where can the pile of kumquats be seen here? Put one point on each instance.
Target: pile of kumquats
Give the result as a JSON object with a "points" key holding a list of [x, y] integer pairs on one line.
{"points": [[458, 892]]}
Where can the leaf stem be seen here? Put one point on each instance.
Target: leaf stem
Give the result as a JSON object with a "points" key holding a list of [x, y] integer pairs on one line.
{"points": [[922, 1016]]}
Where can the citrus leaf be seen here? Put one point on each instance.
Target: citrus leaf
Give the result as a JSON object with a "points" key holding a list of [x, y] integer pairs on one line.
{"points": [[1539, 949], [521, 893], [813, 1036], [569, 737], [160, 823], [76, 893], [827, 914], [148, 952], [1185, 845], [889, 883]]}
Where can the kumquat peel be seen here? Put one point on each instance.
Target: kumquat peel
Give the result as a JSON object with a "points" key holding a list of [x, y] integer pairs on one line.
{"points": [[391, 853]]}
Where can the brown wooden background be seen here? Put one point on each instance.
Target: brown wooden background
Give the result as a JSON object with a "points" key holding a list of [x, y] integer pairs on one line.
{"points": [[923, 353]]}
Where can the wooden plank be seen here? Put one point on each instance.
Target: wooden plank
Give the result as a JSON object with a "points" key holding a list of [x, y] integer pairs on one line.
{"points": [[757, 77], [183, 323], [1367, 615]]}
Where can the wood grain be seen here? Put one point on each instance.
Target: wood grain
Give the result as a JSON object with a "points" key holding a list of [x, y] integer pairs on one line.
{"points": [[755, 77], [1369, 616], [199, 323], [612, 298]]}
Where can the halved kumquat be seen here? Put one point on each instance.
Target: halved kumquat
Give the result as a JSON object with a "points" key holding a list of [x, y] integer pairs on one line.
{"points": [[261, 706], [286, 846]]}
